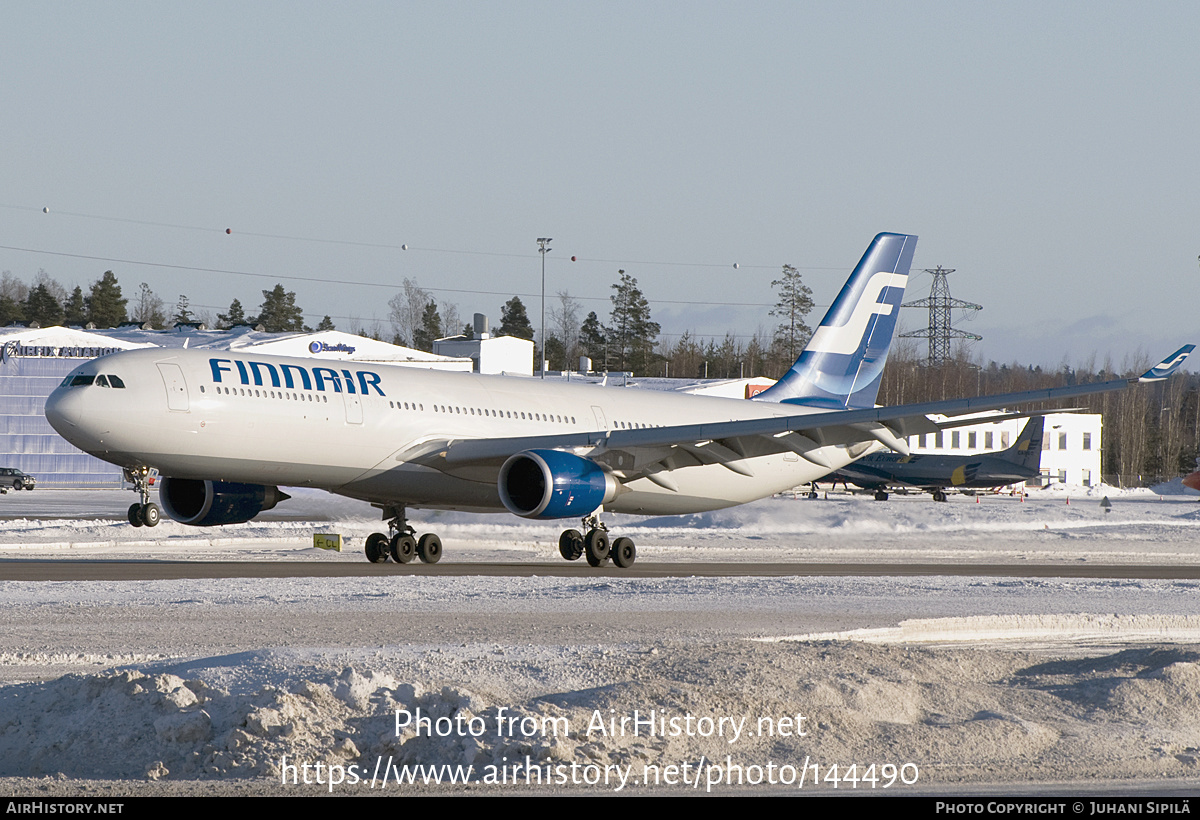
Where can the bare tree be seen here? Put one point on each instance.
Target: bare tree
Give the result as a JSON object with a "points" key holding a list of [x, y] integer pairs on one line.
{"points": [[408, 308], [13, 288], [564, 326], [147, 307], [452, 323], [52, 285]]}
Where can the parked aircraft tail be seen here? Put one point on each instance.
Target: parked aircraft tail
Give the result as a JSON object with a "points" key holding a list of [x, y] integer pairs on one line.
{"points": [[843, 362], [1027, 451]]}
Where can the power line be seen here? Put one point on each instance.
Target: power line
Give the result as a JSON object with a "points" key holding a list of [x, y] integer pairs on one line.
{"points": [[322, 280], [385, 245]]}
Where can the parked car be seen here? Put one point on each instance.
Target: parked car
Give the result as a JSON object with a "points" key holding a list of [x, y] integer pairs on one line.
{"points": [[12, 477]]}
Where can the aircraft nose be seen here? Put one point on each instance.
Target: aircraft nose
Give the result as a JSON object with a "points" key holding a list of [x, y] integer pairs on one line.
{"points": [[64, 409]]}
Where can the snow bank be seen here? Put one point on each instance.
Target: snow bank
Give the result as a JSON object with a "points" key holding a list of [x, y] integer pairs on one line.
{"points": [[945, 716]]}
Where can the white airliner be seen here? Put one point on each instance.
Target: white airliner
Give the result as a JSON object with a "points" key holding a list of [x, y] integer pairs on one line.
{"points": [[227, 429]]}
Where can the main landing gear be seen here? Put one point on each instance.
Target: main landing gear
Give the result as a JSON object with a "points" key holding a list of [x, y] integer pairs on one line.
{"points": [[401, 544], [147, 513], [573, 544]]}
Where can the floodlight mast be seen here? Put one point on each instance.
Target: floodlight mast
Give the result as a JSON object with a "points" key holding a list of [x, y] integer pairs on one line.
{"points": [[543, 247]]}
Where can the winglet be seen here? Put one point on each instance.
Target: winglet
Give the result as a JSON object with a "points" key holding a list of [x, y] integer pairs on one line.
{"points": [[1167, 366]]}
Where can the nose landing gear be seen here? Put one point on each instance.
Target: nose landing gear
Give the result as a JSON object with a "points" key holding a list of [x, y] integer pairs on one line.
{"points": [[147, 513]]}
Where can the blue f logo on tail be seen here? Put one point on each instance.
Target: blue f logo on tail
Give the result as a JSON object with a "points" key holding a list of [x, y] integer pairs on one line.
{"points": [[842, 364]]}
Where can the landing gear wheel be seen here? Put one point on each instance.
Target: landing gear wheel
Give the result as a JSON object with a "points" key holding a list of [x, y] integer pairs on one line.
{"points": [[812, 496], [377, 548], [403, 548], [938, 495], [570, 545], [145, 514], [624, 552], [595, 544], [429, 548], [881, 495]]}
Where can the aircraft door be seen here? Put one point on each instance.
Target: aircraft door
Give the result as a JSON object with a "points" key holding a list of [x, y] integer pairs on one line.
{"points": [[601, 423], [176, 386], [353, 408]]}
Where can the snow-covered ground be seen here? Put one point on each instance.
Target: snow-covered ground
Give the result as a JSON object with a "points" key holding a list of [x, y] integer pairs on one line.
{"points": [[1002, 682]]}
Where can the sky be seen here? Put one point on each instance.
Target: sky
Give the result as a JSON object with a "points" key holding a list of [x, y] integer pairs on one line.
{"points": [[1045, 151]]}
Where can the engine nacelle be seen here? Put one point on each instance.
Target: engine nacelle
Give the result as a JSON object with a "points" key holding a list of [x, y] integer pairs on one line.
{"points": [[553, 484], [212, 503]]}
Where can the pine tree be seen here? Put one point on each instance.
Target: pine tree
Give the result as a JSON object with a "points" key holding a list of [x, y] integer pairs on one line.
{"points": [[52, 286], [514, 321], [430, 329], [10, 310], [105, 305], [279, 312], [326, 324], [75, 308], [42, 307], [183, 313], [594, 341], [235, 316], [632, 334], [795, 301]]}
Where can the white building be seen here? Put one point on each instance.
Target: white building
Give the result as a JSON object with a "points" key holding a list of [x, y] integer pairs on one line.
{"points": [[506, 355], [1071, 444]]}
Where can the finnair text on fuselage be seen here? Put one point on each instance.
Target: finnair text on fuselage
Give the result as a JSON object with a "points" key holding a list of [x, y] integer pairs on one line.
{"points": [[250, 373]]}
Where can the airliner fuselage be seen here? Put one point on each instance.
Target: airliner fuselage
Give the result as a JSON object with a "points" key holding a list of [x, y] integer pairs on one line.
{"points": [[373, 431]]}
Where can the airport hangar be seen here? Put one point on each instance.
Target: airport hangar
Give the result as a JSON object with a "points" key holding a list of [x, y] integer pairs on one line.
{"points": [[33, 361]]}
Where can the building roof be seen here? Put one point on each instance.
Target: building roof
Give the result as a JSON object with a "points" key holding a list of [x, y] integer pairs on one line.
{"points": [[329, 344]]}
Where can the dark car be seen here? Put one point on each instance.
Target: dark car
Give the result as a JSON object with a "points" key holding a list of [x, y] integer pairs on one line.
{"points": [[12, 477]]}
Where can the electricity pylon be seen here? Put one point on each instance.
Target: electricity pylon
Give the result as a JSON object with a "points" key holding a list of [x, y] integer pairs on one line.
{"points": [[939, 333]]}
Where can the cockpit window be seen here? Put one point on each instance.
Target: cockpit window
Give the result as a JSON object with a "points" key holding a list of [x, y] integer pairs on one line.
{"points": [[85, 379]]}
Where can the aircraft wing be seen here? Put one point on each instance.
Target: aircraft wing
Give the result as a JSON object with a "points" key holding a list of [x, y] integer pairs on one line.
{"points": [[653, 452]]}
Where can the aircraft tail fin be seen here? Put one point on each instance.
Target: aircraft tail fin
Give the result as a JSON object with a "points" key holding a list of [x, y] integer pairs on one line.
{"points": [[841, 366], [1167, 366], [1027, 451]]}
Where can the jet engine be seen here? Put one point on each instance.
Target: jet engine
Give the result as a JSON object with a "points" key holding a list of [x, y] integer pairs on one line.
{"points": [[554, 484], [212, 503]]}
